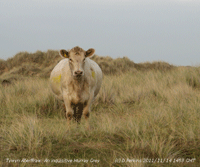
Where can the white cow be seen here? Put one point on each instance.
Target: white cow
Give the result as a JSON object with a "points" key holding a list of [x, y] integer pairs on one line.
{"points": [[76, 80]]}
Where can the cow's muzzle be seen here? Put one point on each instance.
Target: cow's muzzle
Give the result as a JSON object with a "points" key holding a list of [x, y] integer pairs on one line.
{"points": [[78, 74]]}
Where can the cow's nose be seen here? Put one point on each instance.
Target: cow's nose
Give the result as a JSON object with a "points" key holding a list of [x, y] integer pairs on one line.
{"points": [[78, 72]]}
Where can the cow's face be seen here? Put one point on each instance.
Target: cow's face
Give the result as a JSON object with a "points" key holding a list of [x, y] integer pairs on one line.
{"points": [[76, 58]]}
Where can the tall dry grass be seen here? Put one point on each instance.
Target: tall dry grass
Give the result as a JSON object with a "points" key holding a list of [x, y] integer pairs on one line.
{"points": [[137, 114], [40, 64]]}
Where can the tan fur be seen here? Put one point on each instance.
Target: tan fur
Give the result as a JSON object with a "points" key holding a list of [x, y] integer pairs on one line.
{"points": [[77, 50], [77, 91]]}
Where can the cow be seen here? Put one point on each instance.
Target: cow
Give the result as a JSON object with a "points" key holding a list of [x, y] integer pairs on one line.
{"points": [[76, 80]]}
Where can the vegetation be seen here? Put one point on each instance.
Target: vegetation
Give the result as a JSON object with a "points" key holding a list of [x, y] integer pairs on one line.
{"points": [[148, 112], [40, 64]]}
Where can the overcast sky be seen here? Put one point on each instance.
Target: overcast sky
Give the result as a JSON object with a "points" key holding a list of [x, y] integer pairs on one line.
{"points": [[143, 30]]}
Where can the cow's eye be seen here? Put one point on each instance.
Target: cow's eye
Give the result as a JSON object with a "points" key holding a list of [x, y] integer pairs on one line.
{"points": [[70, 60]]}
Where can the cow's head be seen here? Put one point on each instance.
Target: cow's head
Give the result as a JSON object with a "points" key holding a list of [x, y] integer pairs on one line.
{"points": [[76, 58]]}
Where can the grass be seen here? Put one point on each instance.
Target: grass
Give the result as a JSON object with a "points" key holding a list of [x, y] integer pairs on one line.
{"points": [[40, 64], [139, 115]]}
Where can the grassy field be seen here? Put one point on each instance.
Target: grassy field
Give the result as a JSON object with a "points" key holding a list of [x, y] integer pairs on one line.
{"points": [[148, 113]]}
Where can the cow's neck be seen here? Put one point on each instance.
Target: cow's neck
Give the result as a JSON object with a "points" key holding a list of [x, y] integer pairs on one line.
{"points": [[78, 84]]}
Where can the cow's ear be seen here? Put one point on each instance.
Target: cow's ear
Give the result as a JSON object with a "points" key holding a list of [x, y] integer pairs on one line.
{"points": [[89, 52], [64, 53]]}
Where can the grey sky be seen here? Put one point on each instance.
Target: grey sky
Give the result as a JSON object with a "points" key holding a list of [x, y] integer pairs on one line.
{"points": [[143, 30]]}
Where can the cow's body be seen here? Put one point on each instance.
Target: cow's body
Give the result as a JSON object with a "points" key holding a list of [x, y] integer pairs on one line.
{"points": [[77, 88]]}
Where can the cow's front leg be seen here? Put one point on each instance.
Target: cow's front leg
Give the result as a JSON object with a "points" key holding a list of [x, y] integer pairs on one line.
{"points": [[86, 111], [68, 106], [69, 111], [86, 114]]}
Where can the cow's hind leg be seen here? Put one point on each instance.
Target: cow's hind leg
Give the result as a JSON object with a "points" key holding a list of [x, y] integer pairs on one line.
{"points": [[78, 112]]}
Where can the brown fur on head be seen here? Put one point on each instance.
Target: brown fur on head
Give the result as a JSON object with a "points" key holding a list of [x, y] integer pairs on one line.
{"points": [[76, 58], [78, 51]]}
